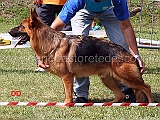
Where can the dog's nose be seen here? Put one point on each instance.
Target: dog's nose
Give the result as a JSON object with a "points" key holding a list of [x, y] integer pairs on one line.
{"points": [[12, 33]]}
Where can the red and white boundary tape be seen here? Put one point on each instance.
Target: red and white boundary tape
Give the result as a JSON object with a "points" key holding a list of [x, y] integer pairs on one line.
{"points": [[74, 104]]}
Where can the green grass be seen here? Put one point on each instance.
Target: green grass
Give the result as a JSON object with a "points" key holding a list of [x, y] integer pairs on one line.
{"points": [[16, 71], [14, 11]]}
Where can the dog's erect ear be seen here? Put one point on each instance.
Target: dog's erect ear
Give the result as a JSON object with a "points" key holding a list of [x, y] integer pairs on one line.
{"points": [[33, 17], [33, 13]]}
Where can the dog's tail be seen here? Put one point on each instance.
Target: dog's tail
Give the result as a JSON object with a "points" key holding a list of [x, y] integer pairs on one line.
{"points": [[141, 96]]}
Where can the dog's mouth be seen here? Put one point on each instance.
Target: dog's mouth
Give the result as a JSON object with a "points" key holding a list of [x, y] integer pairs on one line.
{"points": [[21, 36], [22, 40]]}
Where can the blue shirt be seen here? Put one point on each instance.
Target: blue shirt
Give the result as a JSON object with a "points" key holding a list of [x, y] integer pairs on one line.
{"points": [[93, 6], [72, 6]]}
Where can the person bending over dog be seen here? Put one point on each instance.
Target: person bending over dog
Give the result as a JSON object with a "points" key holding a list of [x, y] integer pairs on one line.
{"points": [[114, 16]]}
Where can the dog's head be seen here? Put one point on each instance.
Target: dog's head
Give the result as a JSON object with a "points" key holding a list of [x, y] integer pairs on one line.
{"points": [[22, 32]]}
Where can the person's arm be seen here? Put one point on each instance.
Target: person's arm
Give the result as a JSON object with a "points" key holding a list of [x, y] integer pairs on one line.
{"points": [[122, 13], [37, 2], [130, 38], [58, 24], [67, 13]]}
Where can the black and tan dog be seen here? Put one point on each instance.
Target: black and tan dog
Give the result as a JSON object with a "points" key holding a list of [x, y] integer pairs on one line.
{"points": [[76, 55]]}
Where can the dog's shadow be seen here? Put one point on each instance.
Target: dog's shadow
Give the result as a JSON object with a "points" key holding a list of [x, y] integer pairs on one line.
{"points": [[100, 100], [156, 97], [20, 71], [152, 70]]}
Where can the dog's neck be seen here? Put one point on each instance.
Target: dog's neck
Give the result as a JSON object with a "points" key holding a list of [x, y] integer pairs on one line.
{"points": [[45, 46], [43, 39], [47, 54]]}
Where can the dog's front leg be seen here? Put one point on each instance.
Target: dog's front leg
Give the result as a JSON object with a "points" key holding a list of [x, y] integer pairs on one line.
{"points": [[68, 87]]}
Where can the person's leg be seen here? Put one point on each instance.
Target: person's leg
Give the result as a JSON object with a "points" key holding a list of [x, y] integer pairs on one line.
{"points": [[113, 30], [47, 13], [81, 23], [81, 88]]}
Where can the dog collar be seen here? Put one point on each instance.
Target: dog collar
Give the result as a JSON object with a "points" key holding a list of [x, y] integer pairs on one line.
{"points": [[137, 56], [48, 54]]}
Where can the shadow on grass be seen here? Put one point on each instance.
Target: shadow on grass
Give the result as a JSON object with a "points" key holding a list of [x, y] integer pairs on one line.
{"points": [[100, 100], [152, 70], [156, 97], [20, 71], [26, 70]]}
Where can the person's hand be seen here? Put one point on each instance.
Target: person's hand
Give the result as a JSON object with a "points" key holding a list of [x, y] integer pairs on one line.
{"points": [[141, 63], [37, 2], [42, 64]]}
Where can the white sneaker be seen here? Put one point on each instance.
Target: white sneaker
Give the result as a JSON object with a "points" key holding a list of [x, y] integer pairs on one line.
{"points": [[39, 69]]}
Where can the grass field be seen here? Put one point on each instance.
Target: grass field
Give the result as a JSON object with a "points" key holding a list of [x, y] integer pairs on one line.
{"points": [[17, 73]]}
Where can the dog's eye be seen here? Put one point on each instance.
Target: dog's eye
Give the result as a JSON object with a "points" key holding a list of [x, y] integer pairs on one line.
{"points": [[22, 25]]}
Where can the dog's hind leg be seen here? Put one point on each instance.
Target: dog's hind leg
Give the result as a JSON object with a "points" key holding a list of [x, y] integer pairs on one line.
{"points": [[68, 87], [144, 89], [141, 96], [129, 75], [113, 85]]}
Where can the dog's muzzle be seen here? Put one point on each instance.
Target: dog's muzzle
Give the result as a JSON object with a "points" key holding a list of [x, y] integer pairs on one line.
{"points": [[21, 36]]}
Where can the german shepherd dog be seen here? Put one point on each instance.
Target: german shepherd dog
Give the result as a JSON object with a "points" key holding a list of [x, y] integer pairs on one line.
{"points": [[80, 56]]}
